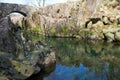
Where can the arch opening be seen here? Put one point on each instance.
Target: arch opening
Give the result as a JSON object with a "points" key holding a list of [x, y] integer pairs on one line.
{"points": [[16, 17], [22, 13]]}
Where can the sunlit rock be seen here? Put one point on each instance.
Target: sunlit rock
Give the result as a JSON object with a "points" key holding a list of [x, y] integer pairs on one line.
{"points": [[117, 36], [110, 36]]}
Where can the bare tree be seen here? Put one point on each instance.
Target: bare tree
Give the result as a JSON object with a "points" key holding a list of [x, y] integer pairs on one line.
{"points": [[40, 2], [44, 3]]}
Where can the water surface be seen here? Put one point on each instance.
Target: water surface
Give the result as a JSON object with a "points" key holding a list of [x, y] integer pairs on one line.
{"points": [[84, 60]]}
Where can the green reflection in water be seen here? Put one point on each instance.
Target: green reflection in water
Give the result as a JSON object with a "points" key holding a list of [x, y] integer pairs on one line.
{"points": [[94, 55]]}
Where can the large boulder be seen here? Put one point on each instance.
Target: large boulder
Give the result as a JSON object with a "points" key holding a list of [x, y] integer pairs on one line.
{"points": [[7, 68], [13, 68]]}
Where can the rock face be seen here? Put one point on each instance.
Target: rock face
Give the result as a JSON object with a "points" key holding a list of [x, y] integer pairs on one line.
{"points": [[64, 18], [74, 19], [17, 61], [11, 67], [7, 39]]}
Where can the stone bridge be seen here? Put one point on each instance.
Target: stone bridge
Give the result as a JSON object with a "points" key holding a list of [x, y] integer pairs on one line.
{"points": [[8, 8]]}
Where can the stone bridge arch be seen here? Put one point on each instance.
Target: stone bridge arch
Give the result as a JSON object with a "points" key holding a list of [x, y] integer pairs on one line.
{"points": [[8, 8], [22, 13]]}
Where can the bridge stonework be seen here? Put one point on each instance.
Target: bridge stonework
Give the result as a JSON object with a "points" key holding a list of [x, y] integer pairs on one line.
{"points": [[7, 8]]}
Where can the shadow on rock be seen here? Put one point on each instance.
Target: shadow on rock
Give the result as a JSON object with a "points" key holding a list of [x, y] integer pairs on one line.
{"points": [[43, 73]]}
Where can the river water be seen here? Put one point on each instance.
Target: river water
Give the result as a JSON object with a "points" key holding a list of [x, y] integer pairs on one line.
{"points": [[84, 60]]}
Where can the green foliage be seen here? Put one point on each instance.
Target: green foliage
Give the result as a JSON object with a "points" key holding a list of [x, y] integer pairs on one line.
{"points": [[65, 30], [53, 31], [84, 33], [31, 33], [35, 30]]}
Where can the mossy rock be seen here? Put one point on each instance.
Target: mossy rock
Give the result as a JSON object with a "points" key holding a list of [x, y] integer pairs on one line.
{"points": [[23, 69], [109, 36], [117, 36], [4, 78]]}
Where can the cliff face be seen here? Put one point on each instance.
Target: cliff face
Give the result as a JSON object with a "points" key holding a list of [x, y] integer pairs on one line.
{"points": [[69, 14], [81, 10], [7, 39], [67, 19], [15, 63]]}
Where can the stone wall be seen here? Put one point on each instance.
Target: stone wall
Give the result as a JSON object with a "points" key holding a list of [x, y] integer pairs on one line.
{"points": [[7, 38]]}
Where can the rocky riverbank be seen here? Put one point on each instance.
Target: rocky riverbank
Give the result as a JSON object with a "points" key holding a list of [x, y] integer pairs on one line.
{"points": [[82, 19], [20, 58], [11, 67]]}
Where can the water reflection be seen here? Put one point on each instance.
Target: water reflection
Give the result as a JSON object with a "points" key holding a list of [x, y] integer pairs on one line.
{"points": [[76, 73], [84, 60]]}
